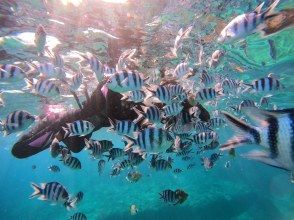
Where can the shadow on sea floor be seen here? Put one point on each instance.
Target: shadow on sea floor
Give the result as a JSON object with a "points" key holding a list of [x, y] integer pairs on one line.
{"points": [[242, 206]]}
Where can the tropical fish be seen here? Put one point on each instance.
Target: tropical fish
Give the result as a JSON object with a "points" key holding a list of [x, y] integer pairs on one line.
{"points": [[124, 58], [78, 197], [52, 191], [94, 147], [96, 66], [190, 166], [274, 132], [40, 40], [9, 72], [207, 163], [216, 122], [175, 197], [101, 165], [181, 70], [266, 84], [246, 24], [123, 127], [76, 81], [214, 157], [163, 93], [204, 138], [206, 79], [134, 210], [151, 139], [135, 96], [58, 60], [54, 169], [42, 87], [78, 128], [115, 153], [177, 170], [151, 113], [78, 216], [178, 41], [125, 81], [206, 94], [72, 162], [215, 58], [172, 109], [16, 121]]}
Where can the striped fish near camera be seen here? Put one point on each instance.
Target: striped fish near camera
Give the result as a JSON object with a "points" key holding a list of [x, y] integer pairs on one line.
{"points": [[123, 127], [11, 72], [151, 140], [176, 90], [135, 96], [266, 84], [78, 128], [54, 192], [115, 153], [45, 88], [95, 65], [101, 165], [72, 162], [136, 157], [126, 163], [181, 70], [54, 169], [125, 81], [204, 138], [172, 109], [200, 126], [16, 121], [94, 147], [78, 216], [274, 132], [246, 24], [76, 82]]}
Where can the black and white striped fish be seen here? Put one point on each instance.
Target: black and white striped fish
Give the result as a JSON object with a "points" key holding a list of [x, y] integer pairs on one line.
{"points": [[43, 87], [125, 81], [162, 164], [78, 216], [151, 139], [190, 166], [181, 70], [108, 70], [135, 96], [126, 163], [245, 103], [45, 69], [72, 162], [176, 197], [206, 94], [8, 72], [230, 86], [274, 132], [58, 60], [216, 122], [204, 138], [206, 79], [76, 81], [215, 156], [106, 145], [151, 113], [123, 127], [16, 121], [176, 90], [78, 128], [266, 84], [162, 93], [213, 145], [55, 148], [115, 153], [173, 109], [78, 197], [115, 171], [94, 147], [177, 170], [101, 165], [179, 39], [96, 66], [201, 126], [54, 168], [246, 24], [136, 157], [52, 191]]}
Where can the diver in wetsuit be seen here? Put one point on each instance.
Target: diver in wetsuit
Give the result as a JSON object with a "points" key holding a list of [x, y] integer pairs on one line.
{"points": [[97, 109]]}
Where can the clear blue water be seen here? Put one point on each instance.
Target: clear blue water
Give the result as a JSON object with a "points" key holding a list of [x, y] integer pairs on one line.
{"points": [[246, 190]]}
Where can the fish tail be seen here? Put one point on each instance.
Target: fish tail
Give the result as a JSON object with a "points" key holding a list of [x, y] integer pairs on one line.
{"points": [[71, 203], [66, 132], [247, 133], [130, 143], [29, 84], [37, 191]]}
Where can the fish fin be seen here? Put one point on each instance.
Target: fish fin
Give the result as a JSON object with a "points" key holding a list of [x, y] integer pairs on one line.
{"points": [[263, 157], [66, 132], [257, 10], [246, 132], [87, 143], [124, 97], [112, 125], [130, 143], [37, 190], [71, 203], [271, 8], [29, 84], [42, 197]]}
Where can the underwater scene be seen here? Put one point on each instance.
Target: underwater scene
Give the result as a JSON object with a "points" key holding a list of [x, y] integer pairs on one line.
{"points": [[147, 109]]}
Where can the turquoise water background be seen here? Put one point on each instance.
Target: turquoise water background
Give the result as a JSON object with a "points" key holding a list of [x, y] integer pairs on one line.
{"points": [[246, 190]]}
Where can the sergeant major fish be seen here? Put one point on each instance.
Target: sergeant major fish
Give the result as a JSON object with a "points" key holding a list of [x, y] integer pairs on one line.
{"points": [[78, 128], [45, 88], [274, 132], [245, 24]]}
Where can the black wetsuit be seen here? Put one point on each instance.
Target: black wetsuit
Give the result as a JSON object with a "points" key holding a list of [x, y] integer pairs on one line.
{"points": [[97, 109]]}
